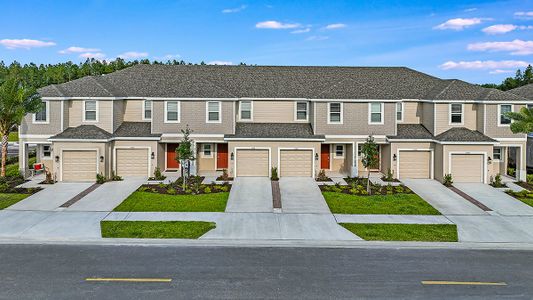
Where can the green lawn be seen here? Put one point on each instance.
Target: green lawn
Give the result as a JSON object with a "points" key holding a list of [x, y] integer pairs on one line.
{"points": [[397, 204], [526, 200], [13, 136], [155, 230], [146, 201], [7, 200], [404, 232]]}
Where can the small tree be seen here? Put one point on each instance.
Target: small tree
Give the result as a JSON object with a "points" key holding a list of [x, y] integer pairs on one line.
{"points": [[185, 152], [16, 100], [522, 121], [369, 153]]}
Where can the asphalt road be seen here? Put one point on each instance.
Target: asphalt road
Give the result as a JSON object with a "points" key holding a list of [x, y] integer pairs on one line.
{"points": [[61, 272]]}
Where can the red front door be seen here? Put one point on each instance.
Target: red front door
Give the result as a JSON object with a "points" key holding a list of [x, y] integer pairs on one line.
{"points": [[324, 157], [172, 164], [222, 156]]}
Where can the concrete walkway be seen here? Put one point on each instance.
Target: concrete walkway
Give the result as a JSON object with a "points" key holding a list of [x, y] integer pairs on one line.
{"points": [[108, 196], [301, 195], [495, 199], [498, 229], [442, 198], [250, 194], [52, 197]]}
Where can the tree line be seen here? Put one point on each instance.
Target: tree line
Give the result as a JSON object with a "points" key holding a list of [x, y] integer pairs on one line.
{"points": [[521, 78]]}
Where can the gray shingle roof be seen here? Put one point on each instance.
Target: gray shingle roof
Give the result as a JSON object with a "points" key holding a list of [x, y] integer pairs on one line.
{"points": [[461, 134], [525, 91], [135, 129], [273, 82], [274, 131], [412, 132], [83, 132]]}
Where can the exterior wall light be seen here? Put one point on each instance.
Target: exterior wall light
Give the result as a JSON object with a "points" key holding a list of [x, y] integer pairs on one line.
{"points": [[152, 156], [316, 156], [489, 160], [394, 158], [101, 159], [57, 158], [232, 156]]}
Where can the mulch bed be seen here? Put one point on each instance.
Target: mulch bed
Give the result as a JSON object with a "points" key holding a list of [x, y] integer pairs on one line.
{"points": [[224, 178], [355, 187], [8, 185], [194, 186], [525, 185], [393, 180], [276, 194], [324, 179]]}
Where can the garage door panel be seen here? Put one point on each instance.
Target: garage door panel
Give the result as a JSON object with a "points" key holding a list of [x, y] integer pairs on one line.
{"points": [[296, 163], [415, 164], [132, 162], [79, 165], [467, 167], [253, 162]]}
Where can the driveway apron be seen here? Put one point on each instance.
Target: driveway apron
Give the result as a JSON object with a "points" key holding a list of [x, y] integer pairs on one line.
{"points": [[443, 199], [52, 197], [301, 195], [250, 194], [495, 199]]}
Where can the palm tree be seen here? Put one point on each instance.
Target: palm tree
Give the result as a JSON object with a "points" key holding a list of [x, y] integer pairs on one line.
{"points": [[16, 100], [522, 121]]}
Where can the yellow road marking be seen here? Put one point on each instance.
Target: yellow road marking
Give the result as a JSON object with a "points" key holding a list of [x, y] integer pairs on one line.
{"points": [[438, 282], [130, 279]]}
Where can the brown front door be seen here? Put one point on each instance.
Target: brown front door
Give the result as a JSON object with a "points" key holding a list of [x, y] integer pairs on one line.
{"points": [[324, 157], [172, 164], [222, 156]]}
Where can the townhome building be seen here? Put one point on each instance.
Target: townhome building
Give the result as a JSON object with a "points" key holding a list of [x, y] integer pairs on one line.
{"points": [[249, 119], [526, 91]]}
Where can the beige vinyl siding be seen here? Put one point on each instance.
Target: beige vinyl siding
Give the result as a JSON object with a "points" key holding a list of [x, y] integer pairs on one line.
{"points": [[438, 172], [273, 111], [495, 131], [355, 120], [412, 112], [132, 162], [414, 164], [66, 114], [252, 162], [105, 114], [133, 110], [385, 158], [54, 123], [79, 165], [480, 118], [467, 167], [118, 113], [427, 116], [297, 163], [442, 117], [193, 113]]}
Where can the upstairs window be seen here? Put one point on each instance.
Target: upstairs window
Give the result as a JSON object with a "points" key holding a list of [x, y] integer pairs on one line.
{"points": [[245, 112], [505, 108], [213, 112], [42, 115], [172, 112], [301, 111], [456, 113], [147, 114], [335, 113], [376, 113], [399, 112], [90, 113]]}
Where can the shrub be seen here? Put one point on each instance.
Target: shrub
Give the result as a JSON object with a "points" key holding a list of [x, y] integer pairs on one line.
{"points": [[389, 188], [4, 187], [498, 181], [115, 177], [529, 178], [511, 172], [100, 178], [171, 191], [158, 175], [143, 189], [389, 176], [224, 188], [448, 180], [274, 176], [207, 190], [225, 175], [399, 189], [322, 176], [188, 191]]}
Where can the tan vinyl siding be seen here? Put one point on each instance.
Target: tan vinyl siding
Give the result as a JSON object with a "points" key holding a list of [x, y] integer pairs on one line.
{"points": [[442, 117], [412, 112], [273, 111], [427, 116], [355, 120], [439, 164], [104, 115], [480, 118], [54, 123], [385, 158], [495, 131], [193, 113], [118, 113], [133, 110]]}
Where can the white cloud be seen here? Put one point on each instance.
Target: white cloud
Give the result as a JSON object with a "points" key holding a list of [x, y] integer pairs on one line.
{"points": [[25, 43], [276, 25], [500, 71], [234, 10], [470, 9], [220, 62], [305, 30], [75, 49], [504, 28], [335, 26], [483, 65], [95, 55], [516, 47], [459, 23], [524, 14], [133, 55], [317, 38]]}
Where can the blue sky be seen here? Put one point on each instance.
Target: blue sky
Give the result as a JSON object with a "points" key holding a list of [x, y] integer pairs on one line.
{"points": [[478, 41]]}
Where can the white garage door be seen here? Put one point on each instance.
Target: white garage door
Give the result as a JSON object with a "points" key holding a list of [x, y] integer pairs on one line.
{"points": [[415, 164], [467, 167], [132, 162], [79, 165], [296, 163], [252, 162]]}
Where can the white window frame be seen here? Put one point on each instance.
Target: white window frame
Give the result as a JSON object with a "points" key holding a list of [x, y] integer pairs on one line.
{"points": [[462, 114], [219, 112], [251, 111], [335, 151], [306, 111], [144, 118], [47, 121], [166, 112], [401, 111], [210, 151], [341, 113], [97, 106], [50, 150], [381, 106], [500, 115], [499, 154]]}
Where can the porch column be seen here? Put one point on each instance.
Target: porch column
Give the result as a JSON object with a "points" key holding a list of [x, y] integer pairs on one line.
{"points": [[521, 162], [193, 170], [354, 168]]}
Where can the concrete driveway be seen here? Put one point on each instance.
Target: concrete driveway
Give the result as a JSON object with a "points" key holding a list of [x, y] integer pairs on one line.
{"points": [[250, 194], [108, 196], [52, 197], [301, 195], [495, 199], [442, 198]]}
